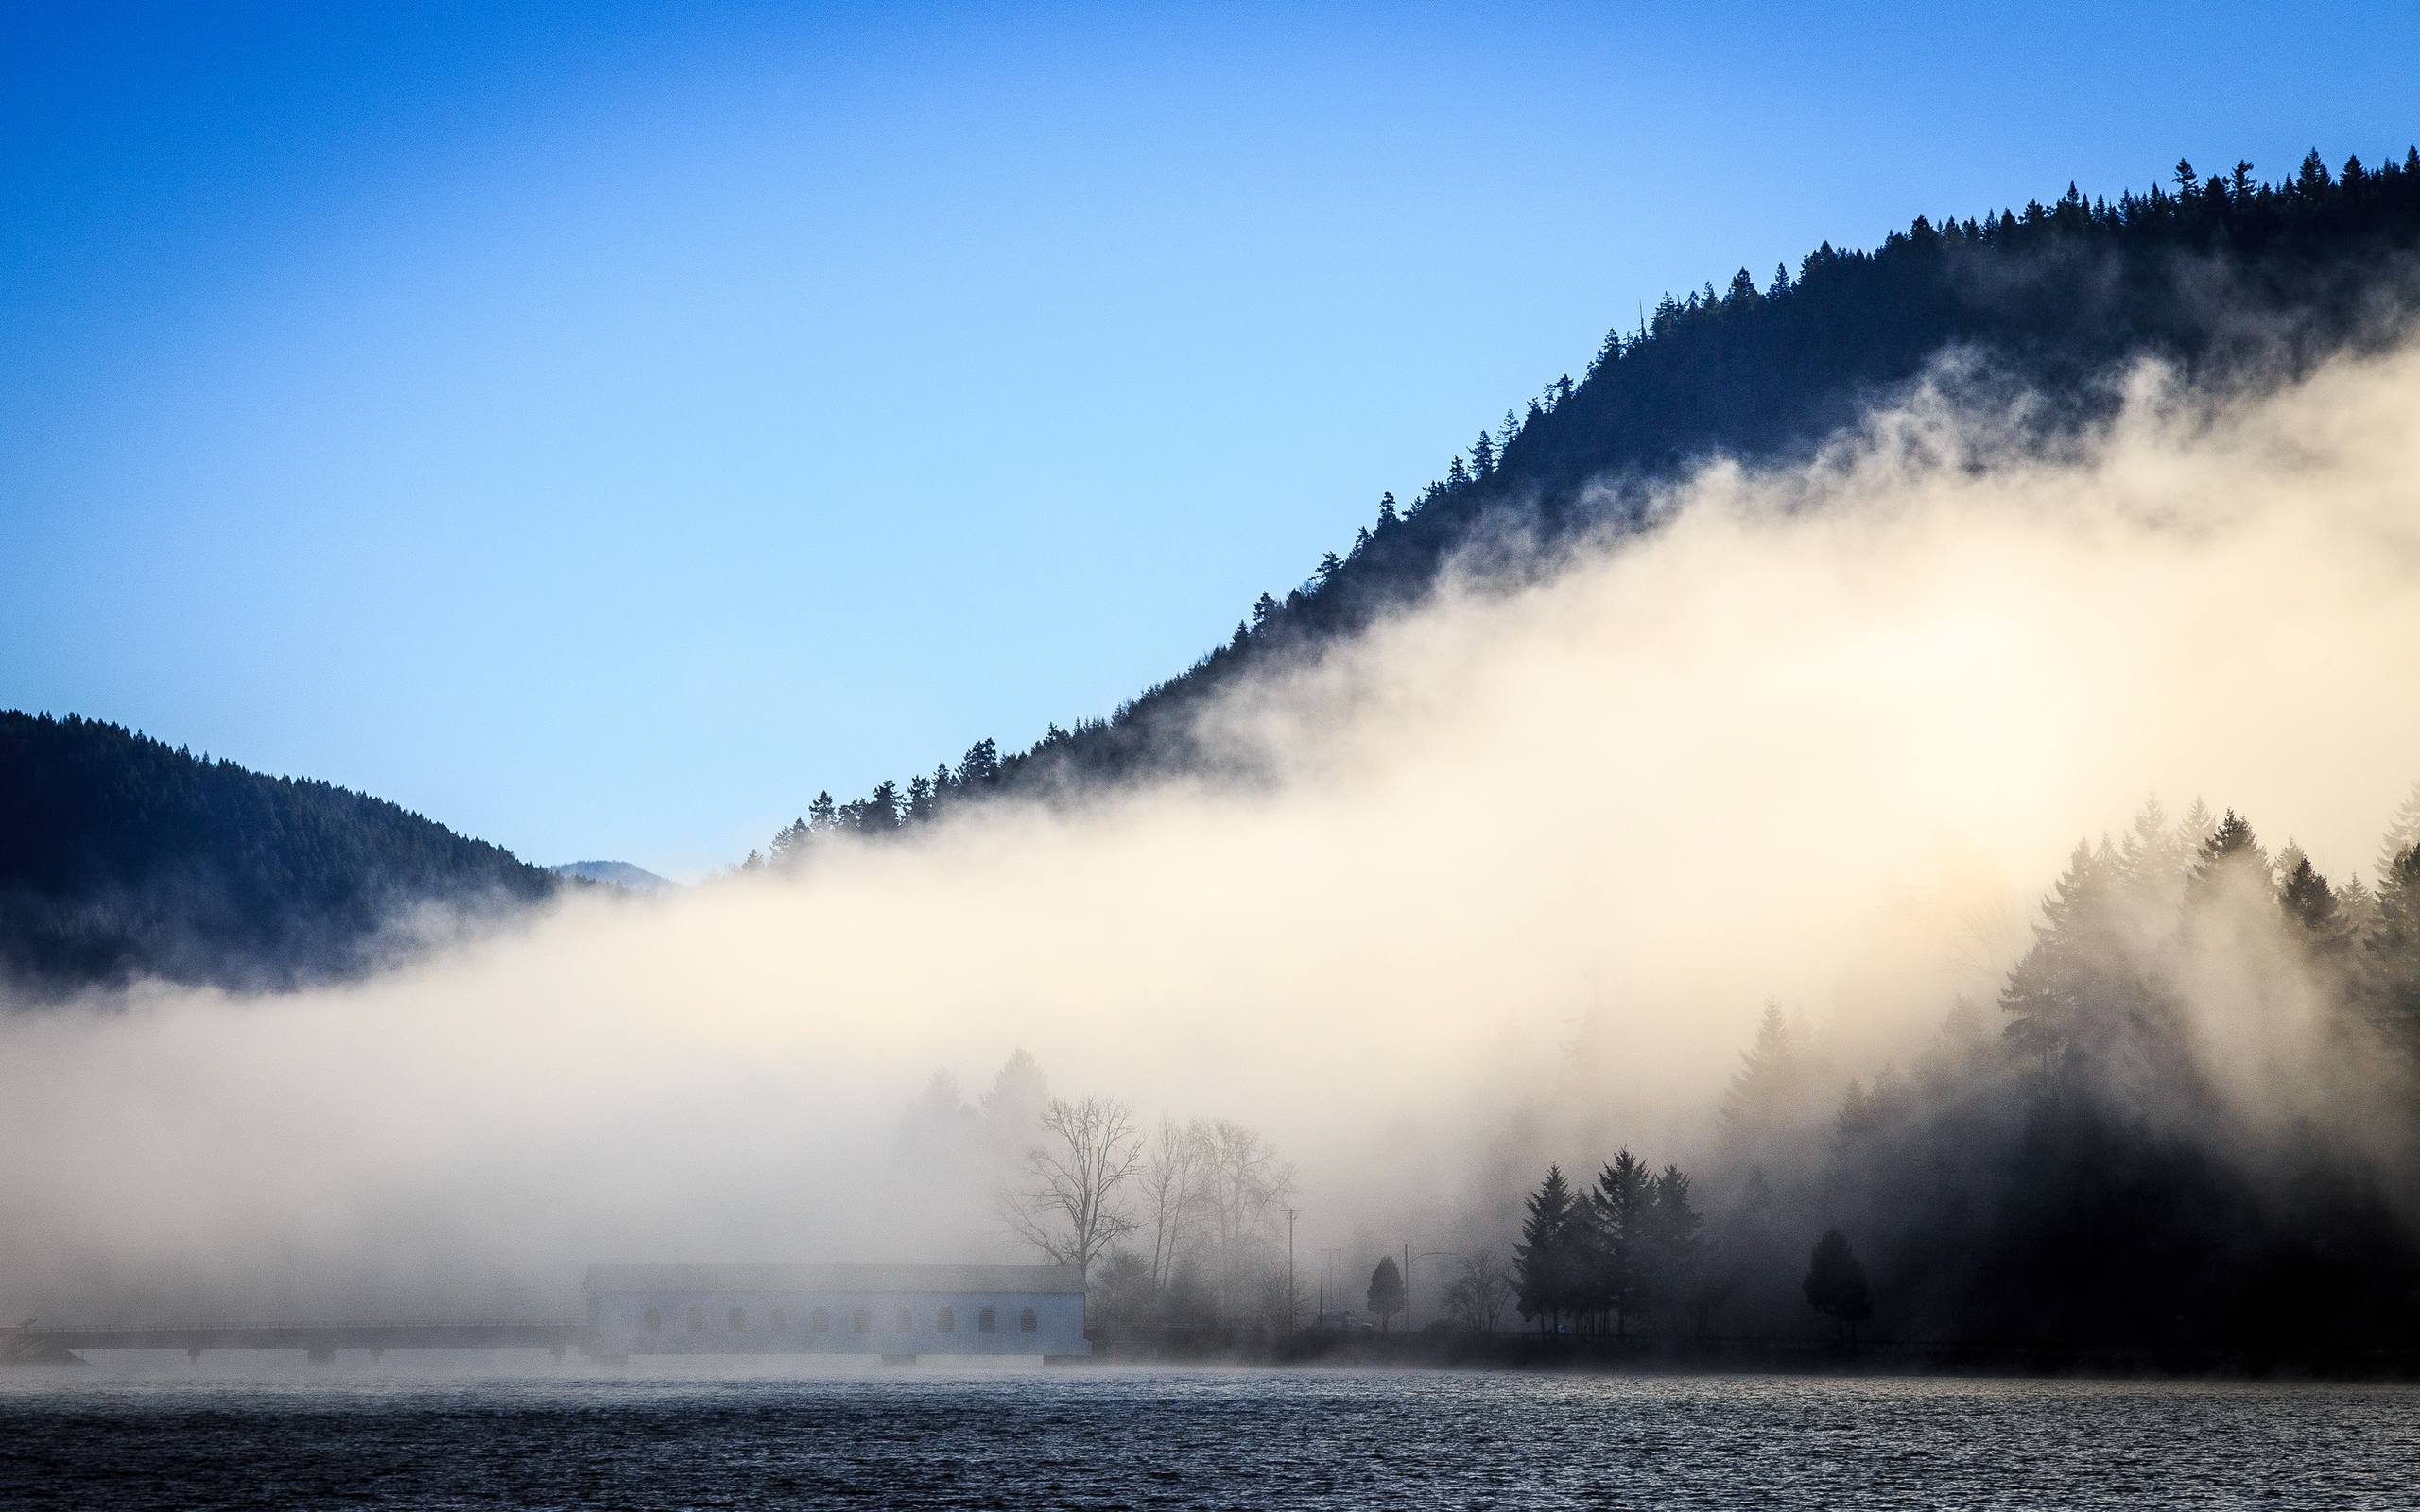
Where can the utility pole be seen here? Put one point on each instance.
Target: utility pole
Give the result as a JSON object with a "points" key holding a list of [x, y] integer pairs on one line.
{"points": [[1291, 1306], [1407, 1288]]}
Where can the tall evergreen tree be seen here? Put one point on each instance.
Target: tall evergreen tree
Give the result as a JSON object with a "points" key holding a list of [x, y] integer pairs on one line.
{"points": [[2392, 953], [2310, 904], [1619, 1235], [2050, 991], [1769, 1093], [1386, 1292], [1675, 1247], [1543, 1262], [1835, 1284], [2402, 831]]}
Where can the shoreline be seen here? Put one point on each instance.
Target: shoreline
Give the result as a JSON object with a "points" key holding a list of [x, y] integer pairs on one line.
{"points": [[1567, 1354]]}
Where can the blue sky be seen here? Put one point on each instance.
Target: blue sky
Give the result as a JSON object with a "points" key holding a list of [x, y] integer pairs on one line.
{"points": [[599, 426]]}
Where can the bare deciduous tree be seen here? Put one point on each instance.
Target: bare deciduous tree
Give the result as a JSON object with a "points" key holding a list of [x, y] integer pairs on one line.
{"points": [[1171, 1179], [1070, 1206], [1481, 1291], [1243, 1181]]}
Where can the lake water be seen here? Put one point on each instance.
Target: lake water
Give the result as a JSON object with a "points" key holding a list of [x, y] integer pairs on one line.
{"points": [[1084, 1437]]}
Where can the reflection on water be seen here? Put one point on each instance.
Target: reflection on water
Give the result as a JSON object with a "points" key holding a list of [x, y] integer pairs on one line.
{"points": [[1204, 1439]]}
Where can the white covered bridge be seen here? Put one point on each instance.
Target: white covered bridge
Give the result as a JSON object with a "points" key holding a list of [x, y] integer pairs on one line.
{"points": [[898, 1311]]}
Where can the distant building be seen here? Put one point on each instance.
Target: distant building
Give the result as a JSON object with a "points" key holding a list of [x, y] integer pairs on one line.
{"points": [[896, 1311]]}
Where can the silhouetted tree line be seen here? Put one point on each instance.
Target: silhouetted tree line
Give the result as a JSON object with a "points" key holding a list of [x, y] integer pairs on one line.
{"points": [[2219, 274], [2196, 1125], [1630, 1248], [121, 857]]}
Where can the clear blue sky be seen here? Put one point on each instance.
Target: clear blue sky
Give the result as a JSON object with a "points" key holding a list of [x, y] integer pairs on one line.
{"points": [[599, 426]]}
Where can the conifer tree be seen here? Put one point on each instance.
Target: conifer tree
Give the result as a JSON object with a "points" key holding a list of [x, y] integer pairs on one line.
{"points": [[2402, 831], [1764, 1094], [2152, 858], [1836, 1285], [2195, 828], [1675, 1242], [980, 766], [879, 812], [1386, 1292], [2230, 866], [2048, 991], [2393, 948], [2308, 903], [1542, 1263], [1619, 1236]]}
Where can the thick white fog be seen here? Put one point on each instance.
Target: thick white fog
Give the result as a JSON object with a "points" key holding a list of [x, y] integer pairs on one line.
{"points": [[1531, 863]]}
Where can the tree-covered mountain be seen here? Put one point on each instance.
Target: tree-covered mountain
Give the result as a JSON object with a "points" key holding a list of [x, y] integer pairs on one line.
{"points": [[2225, 276], [123, 857]]}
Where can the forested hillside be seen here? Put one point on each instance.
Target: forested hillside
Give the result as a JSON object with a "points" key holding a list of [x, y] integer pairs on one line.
{"points": [[2223, 275], [121, 857], [2193, 1122]]}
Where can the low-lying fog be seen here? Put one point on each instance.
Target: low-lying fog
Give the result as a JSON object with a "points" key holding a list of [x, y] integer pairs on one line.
{"points": [[1824, 735]]}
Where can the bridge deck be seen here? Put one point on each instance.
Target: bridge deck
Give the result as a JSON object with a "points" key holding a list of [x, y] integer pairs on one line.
{"points": [[315, 1338]]}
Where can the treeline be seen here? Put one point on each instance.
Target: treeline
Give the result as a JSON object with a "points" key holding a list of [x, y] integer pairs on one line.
{"points": [[2221, 274], [121, 857], [1630, 1248], [2197, 1124]]}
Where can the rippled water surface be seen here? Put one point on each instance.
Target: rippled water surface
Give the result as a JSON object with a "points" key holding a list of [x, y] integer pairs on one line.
{"points": [[1102, 1439]]}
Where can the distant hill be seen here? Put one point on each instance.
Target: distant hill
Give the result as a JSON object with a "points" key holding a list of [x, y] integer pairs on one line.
{"points": [[123, 857], [617, 874], [2221, 274]]}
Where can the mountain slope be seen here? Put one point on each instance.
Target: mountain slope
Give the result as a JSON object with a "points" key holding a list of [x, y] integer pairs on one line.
{"points": [[616, 874], [121, 857], [2227, 277]]}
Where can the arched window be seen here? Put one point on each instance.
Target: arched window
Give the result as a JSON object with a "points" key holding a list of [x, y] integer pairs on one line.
{"points": [[987, 1321], [1027, 1323], [653, 1321], [821, 1321], [947, 1321], [859, 1320], [906, 1321], [781, 1320], [739, 1319], [697, 1318]]}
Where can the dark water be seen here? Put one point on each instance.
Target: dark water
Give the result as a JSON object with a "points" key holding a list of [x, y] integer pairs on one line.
{"points": [[1099, 1438]]}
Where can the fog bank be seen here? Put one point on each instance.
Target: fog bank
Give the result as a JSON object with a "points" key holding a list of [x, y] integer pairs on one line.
{"points": [[1529, 863]]}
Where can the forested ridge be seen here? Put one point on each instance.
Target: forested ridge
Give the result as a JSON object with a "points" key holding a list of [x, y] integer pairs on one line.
{"points": [[123, 857], [2224, 275]]}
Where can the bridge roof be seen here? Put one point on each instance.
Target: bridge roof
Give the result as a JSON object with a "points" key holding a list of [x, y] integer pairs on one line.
{"points": [[834, 1278]]}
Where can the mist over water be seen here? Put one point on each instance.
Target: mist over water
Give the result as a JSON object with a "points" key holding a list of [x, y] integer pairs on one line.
{"points": [[1520, 867], [1223, 1440]]}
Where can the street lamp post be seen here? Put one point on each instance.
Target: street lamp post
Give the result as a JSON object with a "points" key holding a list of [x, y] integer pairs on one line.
{"points": [[1291, 1305]]}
